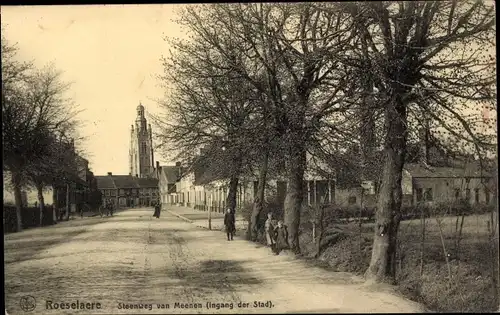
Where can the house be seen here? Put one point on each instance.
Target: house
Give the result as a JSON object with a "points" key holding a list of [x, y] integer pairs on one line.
{"points": [[77, 187], [167, 178], [423, 184], [128, 190], [201, 188], [449, 184]]}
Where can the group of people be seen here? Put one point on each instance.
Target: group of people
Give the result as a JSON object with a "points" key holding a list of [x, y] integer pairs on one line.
{"points": [[107, 208], [276, 236]]}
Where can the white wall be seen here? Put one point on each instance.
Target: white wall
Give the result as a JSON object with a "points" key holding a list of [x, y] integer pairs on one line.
{"points": [[8, 196]]}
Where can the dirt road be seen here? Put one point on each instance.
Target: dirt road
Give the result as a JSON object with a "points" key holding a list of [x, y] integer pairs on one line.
{"points": [[133, 263]]}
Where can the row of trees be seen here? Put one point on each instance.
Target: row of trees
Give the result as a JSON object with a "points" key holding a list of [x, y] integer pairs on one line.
{"points": [[38, 127], [273, 82]]}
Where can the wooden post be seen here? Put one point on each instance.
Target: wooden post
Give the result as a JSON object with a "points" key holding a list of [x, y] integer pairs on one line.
{"points": [[67, 201], [210, 212], [309, 192], [315, 194], [329, 191]]}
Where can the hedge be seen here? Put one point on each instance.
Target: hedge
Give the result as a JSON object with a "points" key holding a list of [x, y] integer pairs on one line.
{"points": [[30, 217]]}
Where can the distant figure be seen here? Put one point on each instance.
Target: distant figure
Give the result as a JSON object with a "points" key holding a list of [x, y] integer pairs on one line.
{"points": [[281, 238], [229, 222], [61, 213], [157, 210], [101, 210], [269, 230], [109, 209]]}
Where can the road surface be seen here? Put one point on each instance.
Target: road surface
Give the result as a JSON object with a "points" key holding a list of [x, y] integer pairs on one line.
{"points": [[133, 263]]}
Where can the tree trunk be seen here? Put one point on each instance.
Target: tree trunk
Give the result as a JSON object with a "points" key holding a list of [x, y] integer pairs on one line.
{"points": [[383, 260], [295, 194], [258, 204], [41, 201], [16, 183], [321, 222], [233, 190]]}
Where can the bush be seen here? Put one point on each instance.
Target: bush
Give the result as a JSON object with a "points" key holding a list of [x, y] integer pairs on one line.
{"points": [[461, 207], [30, 217], [333, 213]]}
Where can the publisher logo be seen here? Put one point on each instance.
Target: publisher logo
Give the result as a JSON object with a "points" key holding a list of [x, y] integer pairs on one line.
{"points": [[27, 303]]}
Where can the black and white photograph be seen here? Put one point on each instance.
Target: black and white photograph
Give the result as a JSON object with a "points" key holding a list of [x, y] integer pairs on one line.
{"points": [[242, 158]]}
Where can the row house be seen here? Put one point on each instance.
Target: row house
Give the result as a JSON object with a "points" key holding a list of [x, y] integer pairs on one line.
{"points": [[198, 188], [128, 190], [421, 184]]}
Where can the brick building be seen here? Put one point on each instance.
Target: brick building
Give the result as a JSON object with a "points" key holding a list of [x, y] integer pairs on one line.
{"points": [[128, 190]]}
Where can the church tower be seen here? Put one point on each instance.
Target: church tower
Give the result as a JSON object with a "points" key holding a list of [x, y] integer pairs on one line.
{"points": [[141, 158]]}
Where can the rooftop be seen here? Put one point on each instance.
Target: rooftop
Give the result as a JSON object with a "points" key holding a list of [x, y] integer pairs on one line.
{"points": [[124, 181]]}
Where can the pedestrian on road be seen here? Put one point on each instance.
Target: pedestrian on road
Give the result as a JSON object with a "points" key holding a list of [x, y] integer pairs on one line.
{"points": [[230, 224], [269, 231], [157, 210], [281, 238]]}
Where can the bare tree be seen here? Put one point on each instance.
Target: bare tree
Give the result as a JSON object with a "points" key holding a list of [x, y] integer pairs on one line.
{"points": [[293, 47], [427, 55], [208, 106], [33, 108]]}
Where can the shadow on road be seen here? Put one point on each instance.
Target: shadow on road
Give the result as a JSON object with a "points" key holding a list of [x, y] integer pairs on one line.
{"points": [[25, 245], [218, 275], [22, 249]]}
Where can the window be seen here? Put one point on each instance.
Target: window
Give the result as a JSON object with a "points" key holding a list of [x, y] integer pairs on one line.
{"points": [[352, 200], [476, 195], [467, 194], [122, 192], [457, 193], [428, 194], [113, 192], [143, 148], [106, 192], [419, 194], [487, 195]]}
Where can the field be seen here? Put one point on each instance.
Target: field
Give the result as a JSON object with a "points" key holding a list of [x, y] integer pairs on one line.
{"points": [[448, 271]]}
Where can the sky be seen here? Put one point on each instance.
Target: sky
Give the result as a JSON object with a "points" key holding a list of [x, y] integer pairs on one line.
{"points": [[111, 54]]}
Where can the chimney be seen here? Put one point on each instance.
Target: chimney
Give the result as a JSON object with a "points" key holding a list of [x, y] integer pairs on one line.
{"points": [[136, 175], [157, 165], [109, 173], [178, 164]]}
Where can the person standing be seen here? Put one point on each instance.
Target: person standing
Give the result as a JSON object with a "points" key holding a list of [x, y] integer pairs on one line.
{"points": [[269, 231], [229, 222], [157, 210], [281, 237]]}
